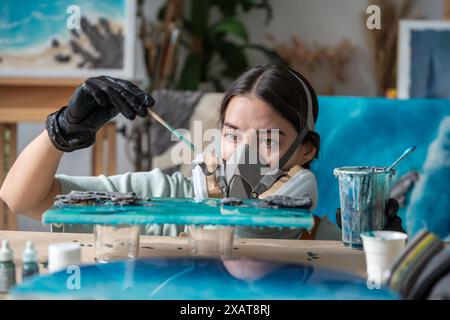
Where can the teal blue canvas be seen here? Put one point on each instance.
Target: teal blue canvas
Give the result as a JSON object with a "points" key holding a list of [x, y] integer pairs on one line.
{"points": [[374, 132]]}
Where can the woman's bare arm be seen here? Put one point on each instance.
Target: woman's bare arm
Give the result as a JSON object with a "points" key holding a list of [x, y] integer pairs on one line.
{"points": [[30, 186]]}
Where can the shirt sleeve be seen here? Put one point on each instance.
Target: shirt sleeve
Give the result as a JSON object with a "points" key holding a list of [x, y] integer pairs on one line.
{"points": [[145, 184], [301, 184]]}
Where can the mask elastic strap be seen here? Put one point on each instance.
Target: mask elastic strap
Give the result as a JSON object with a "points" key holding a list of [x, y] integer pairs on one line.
{"points": [[221, 180], [298, 141], [269, 179], [310, 115], [204, 168]]}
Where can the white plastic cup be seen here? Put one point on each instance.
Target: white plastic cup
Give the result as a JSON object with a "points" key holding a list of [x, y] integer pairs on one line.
{"points": [[382, 248], [62, 255]]}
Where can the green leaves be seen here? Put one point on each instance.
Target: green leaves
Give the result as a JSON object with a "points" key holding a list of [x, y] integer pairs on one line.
{"points": [[191, 74], [229, 8], [234, 58], [232, 26], [199, 17], [227, 39]]}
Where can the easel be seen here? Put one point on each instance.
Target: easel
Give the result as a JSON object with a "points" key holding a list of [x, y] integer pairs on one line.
{"points": [[32, 100]]}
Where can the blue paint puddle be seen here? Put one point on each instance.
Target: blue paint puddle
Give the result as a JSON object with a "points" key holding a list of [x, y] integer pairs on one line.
{"points": [[200, 279]]}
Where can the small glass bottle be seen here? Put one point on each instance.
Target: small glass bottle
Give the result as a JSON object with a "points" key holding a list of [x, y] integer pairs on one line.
{"points": [[30, 261], [7, 268]]}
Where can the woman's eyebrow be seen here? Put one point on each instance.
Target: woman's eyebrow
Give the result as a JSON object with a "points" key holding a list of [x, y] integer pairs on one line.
{"points": [[232, 126], [281, 132]]}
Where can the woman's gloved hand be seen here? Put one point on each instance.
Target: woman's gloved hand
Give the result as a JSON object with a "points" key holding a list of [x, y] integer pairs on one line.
{"points": [[92, 105], [393, 222]]}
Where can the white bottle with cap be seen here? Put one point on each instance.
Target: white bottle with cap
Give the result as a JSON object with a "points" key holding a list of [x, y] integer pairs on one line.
{"points": [[7, 267], [62, 255], [199, 180], [30, 266]]}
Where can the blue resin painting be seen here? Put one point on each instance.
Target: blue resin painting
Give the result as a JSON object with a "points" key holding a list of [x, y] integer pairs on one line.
{"points": [[66, 38], [430, 200], [173, 278], [373, 132]]}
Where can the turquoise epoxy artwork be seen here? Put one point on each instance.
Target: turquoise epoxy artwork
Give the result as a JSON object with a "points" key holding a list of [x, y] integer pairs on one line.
{"points": [[183, 211]]}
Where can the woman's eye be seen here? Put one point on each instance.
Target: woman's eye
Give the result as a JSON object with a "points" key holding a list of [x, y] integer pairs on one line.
{"points": [[232, 137], [267, 142]]}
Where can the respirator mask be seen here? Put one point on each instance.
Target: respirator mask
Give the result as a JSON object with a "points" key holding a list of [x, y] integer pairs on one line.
{"points": [[246, 174]]}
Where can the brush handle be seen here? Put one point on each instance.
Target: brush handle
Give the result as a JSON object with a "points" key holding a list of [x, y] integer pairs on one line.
{"points": [[174, 131], [403, 156]]}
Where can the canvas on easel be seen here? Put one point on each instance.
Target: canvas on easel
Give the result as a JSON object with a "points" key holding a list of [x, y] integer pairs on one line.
{"points": [[423, 69], [67, 38]]}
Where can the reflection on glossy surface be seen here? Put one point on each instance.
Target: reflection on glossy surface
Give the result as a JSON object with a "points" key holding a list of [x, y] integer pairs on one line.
{"points": [[186, 278], [249, 270]]}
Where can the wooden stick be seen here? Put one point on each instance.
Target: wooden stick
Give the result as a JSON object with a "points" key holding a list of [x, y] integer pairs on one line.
{"points": [[97, 153], [111, 134]]}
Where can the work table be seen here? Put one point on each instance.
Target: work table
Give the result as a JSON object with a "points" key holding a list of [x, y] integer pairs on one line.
{"points": [[329, 254]]}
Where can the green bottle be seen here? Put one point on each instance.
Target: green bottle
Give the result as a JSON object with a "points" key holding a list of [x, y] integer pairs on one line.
{"points": [[30, 265], [7, 268]]}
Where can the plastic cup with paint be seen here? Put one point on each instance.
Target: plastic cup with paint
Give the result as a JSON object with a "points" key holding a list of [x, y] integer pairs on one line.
{"points": [[364, 193], [382, 248]]}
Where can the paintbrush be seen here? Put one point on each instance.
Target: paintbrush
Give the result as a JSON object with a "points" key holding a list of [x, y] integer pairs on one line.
{"points": [[174, 131], [403, 156]]}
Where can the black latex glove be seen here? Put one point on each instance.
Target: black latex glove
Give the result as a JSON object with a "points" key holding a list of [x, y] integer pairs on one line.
{"points": [[394, 222], [92, 105]]}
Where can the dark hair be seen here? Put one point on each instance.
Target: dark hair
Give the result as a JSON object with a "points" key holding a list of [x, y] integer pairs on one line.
{"points": [[278, 86]]}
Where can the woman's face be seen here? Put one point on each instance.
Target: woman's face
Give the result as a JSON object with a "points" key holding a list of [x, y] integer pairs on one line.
{"points": [[250, 120]]}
